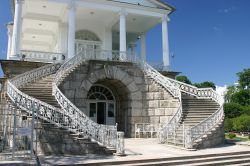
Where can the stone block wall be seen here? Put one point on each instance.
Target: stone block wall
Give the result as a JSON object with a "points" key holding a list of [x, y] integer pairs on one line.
{"points": [[57, 141], [214, 138], [138, 98]]}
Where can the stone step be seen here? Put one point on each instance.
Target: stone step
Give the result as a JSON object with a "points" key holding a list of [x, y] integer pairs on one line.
{"points": [[195, 115], [36, 88], [48, 95], [201, 106], [197, 112], [198, 102], [206, 160], [184, 109]]}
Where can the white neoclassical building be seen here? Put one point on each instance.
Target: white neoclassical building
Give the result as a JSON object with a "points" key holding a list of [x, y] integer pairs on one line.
{"points": [[63, 27], [73, 65]]}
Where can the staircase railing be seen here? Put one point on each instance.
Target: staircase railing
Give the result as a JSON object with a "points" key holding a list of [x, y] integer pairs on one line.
{"points": [[168, 129], [175, 88], [70, 120], [27, 103], [104, 134], [200, 93], [203, 127], [206, 125]]}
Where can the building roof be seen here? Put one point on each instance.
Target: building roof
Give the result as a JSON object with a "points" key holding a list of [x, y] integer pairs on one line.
{"points": [[164, 5]]}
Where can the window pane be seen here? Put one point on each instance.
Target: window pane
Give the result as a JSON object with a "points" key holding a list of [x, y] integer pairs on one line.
{"points": [[111, 110], [92, 110]]}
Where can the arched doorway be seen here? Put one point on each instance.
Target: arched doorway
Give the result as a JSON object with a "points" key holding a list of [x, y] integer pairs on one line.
{"points": [[87, 40], [101, 105]]}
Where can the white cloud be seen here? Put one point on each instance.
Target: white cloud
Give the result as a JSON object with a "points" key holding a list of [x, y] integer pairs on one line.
{"points": [[227, 10], [215, 28]]}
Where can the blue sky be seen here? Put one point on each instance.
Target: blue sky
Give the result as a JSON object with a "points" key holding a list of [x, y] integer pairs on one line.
{"points": [[210, 39]]}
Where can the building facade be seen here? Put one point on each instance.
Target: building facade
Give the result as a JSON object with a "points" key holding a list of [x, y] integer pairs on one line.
{"points": [[73, 65]]}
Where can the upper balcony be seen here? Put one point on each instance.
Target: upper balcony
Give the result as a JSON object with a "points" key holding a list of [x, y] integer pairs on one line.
{"points": [[52, 30]]}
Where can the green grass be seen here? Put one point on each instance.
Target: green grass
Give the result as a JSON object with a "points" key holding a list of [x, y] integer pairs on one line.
{"points": [[237, 138]]}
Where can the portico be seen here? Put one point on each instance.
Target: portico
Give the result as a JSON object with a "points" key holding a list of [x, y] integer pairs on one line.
{"points": [[39, 28]]}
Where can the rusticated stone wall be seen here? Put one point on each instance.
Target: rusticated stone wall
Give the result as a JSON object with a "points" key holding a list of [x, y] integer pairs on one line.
{"points": [[138, 98]]}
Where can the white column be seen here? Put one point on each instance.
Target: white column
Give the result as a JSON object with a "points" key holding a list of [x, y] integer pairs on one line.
{"points": [[9, 33], [132, 46], [165, 44], [143, 47], [62, 38], [15, 48], [108, 38], [71, 29], [123, 40]]}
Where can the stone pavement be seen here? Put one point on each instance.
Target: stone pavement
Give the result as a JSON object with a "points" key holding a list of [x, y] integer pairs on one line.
{"points": [[139, 149]]}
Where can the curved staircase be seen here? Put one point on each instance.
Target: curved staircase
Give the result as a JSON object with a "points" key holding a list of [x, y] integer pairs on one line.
{"points": [[198, 122], [41, 90], [38, 90], [33, 91]]}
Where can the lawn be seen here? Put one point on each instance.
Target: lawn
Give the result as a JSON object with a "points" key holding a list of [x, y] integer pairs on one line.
{"points": [[238, 137]]}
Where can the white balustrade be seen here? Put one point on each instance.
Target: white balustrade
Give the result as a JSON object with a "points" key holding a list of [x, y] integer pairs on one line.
{"points": [[37, 56], [73, 119]]}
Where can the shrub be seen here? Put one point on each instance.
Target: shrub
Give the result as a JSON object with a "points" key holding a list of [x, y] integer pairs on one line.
{"points": [[228, 125], [241, 123], [242, 97], [231, 135], [232, 110]]}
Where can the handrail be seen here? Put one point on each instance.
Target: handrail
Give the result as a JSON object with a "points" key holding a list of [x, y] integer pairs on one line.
{"points": [[173, 123], [85, 55], [175, 87], [27, 103], [203, 127], [44, 111], [73, 119], [104, 134], [201, 93]]}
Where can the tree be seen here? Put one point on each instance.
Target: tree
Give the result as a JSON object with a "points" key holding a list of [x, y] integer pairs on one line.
{"points": [[232, 110], [228, 125], [244, 79], [242, 123], [230, 91], [183, 79], [242, 97], [206, 84]]}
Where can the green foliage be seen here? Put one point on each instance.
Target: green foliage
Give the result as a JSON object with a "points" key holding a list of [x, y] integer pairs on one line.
{"points": [[242, 97], [241, 123], [230, 91], [246, 109], [231, 135], [183, 79], [228, 125], [237, 110], [244, 79], [232, 110], [205, 84]]}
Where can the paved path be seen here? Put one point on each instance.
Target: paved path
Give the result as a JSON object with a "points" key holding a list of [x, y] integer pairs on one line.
{"points": [[140, 149]]}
